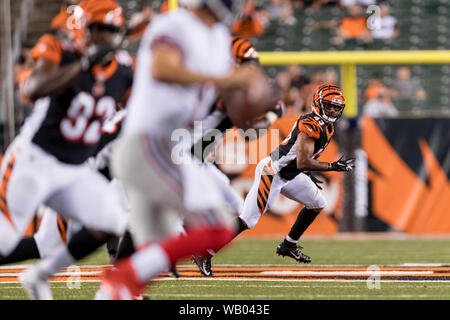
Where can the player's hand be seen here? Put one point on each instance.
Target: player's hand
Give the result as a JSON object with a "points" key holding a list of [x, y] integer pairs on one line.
{"points": [[342, 165], [95, 55]]}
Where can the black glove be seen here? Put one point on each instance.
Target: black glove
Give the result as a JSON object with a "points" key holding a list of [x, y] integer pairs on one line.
{"points": [[316, 181], [95, 55], [342, 165]]}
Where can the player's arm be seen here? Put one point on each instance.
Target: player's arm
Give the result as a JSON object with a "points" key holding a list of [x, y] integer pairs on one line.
{"points": [[168, 66], [306, 162], [48, 78], [305, 152]]}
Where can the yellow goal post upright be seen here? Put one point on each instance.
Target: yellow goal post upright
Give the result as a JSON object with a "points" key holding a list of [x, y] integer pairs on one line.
{"points": [[173, 4]]}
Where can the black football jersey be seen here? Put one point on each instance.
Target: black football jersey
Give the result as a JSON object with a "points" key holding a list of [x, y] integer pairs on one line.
{"points": [[284, 158], [71, 127]]}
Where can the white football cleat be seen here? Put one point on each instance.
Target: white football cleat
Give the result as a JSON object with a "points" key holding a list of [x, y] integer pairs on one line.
{"points": [[36, 284]]}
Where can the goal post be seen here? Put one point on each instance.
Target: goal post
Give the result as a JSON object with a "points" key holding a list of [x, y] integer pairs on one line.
{"points": [[348, 61], [173, 4]]}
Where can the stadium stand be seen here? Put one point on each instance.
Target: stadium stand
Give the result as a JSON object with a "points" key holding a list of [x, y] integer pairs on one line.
{"points": [[422, 25]]}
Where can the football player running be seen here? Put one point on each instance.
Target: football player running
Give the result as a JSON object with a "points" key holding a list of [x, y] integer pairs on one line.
{"points": [[74, 93], [184, 57], [308, 139], [286, 170]]}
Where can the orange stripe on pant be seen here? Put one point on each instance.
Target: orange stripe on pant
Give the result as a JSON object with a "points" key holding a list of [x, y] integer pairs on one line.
{"points": [[62, 228], [264, 187], [3, 188]]}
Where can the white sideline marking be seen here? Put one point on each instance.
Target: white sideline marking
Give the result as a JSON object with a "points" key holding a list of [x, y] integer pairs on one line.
{"points": [[412, 264], [344, 273]]}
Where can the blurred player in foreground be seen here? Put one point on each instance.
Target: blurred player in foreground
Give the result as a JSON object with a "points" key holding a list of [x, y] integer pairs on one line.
{"points": [[54, 230], [37, 246], [215, 122], [243, 53], [46, 164], [183, 58]]}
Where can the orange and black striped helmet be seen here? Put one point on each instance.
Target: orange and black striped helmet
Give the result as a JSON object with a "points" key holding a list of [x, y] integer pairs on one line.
{"points": [[106, 12], [243, 51], [325, 97]]}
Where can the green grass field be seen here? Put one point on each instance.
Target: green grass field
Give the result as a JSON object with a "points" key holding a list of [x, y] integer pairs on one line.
{"points": [[249, 251]]}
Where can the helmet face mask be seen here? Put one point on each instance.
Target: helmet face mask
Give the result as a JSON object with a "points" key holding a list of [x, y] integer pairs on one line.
{"points": [[104, 33], [331, 111]]}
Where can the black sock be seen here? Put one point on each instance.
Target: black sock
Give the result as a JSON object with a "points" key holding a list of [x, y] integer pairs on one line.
{"points": [[303, 221], [83, 243], [113, 246], [126, 246], [241, 226], [26, 249]]}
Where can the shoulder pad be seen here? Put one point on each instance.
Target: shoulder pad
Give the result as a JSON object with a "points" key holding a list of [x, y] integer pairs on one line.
{"points": [[49, 48], [310, 126]]}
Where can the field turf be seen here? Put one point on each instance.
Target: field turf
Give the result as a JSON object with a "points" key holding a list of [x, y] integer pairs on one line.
{"points": [[329, 255]]}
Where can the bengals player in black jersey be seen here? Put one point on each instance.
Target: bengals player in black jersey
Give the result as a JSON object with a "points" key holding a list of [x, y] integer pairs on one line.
{"points": [[59, 37], [46, 164], [63, 37], [286, 170]]}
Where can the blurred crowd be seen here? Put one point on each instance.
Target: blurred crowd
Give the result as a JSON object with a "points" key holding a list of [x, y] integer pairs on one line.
{"points": [[363, 20], [298, 88], [378, 99]]}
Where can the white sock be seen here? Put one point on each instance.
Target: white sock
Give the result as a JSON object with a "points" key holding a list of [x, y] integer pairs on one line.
{"points": [[54, 263], [291, 240], [150, 262]]}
